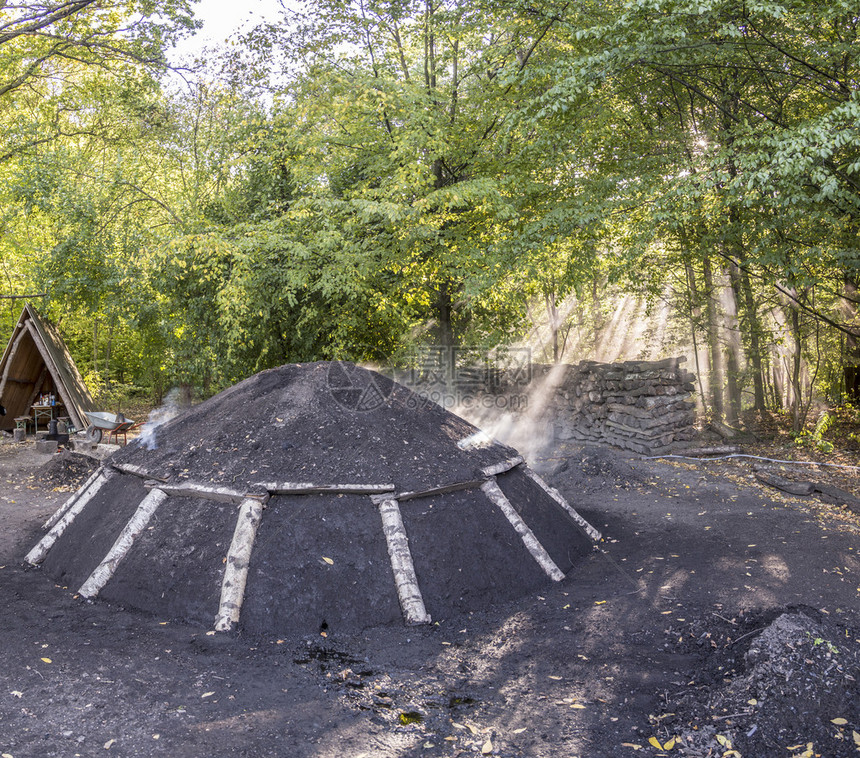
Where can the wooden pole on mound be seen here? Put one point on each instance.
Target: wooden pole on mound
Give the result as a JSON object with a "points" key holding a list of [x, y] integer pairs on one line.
{"points": [[76, 495], [67, 514], [492, 490], [136, 524], [557, 496], [405, 579], [238, 561]]}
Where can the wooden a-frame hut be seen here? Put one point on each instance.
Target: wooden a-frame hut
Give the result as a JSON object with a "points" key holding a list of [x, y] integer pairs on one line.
{"points": [[37, 362]]}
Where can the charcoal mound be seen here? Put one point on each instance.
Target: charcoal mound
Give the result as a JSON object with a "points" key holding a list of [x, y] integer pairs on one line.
{"points": [[312, 497]]}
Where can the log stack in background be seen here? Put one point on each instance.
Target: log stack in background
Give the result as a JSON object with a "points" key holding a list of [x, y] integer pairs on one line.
{"points": [[643, 406]]}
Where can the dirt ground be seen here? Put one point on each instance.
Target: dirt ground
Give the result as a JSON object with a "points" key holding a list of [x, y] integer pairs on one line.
{"points": [[719, 617]]}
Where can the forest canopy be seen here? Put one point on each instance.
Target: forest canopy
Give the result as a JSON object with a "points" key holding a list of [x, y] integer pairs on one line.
{"points": [[363, 178]]}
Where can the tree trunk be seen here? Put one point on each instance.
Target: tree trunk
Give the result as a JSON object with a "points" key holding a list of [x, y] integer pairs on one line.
{"points": [[716, 358], [95, 346], [733, 353], [445, 328], [797, 394], [752, 321], [552, 313]]}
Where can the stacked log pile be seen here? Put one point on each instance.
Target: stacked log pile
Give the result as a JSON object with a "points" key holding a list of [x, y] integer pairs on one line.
{"points": [[643, 406]]}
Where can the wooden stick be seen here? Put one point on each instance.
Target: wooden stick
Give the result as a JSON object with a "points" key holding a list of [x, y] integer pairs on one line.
{"points": [[130, 468], [306, 488], [502, 466], [203, 491], [76, 495], [405, 579], [443, 490], [136, 524], [38, 553], [492, 490], [238, 560], [557, 496]]}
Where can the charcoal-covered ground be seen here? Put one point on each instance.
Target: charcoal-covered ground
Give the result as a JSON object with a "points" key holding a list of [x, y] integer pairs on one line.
{"points": [[719, 616]]}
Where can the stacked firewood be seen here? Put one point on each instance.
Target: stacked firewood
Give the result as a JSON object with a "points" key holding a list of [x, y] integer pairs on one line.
{"points": [[636, 405]]}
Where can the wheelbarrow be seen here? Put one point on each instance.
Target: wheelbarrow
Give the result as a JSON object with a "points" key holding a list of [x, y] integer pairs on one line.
{"points": [[112, 423]]}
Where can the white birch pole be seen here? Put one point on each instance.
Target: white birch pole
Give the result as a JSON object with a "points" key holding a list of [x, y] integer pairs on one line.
{"points": [[75, 496], [502, 466], [405, 579], [238, 560], [38, 553], [136, 524], [557, 496], [492, 490]]}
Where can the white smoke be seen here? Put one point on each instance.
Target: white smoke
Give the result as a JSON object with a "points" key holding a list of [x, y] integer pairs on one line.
{"points": [[159, 416]]}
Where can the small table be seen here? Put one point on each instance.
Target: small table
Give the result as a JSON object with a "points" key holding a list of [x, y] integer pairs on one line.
{"points": [[42, 411]]}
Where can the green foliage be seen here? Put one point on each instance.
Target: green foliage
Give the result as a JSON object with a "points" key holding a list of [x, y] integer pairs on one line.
{"points": [[436, 173]]}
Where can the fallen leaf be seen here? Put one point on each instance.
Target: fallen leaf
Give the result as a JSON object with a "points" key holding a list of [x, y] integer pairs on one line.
{"points": [[47, 660], [207, 694], [578, 706], [631, 745], [522, 729], [654, 742], [599, 602], [487, 748], [329, 561], [839, 721], [557, 678], [856, 737], [724, 741], [669, 745], [109, 743]]}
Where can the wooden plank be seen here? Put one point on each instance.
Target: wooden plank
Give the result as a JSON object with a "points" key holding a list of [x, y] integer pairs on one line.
{"points": [[12, 350]]}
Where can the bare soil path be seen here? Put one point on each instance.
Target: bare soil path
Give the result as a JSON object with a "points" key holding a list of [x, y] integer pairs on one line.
{"points": [[676, 628]]}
